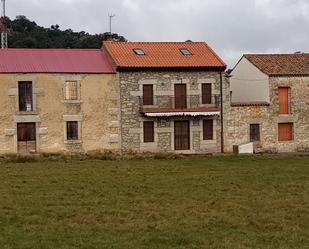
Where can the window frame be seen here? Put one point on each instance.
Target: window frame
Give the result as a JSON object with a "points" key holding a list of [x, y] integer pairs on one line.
{"points": [[255, 136], [22, 102], [207, 136], [148, 100], [139, 51], [206, 98], [148, 138], [281, 137], [75, 136], [286, 105], [185, 51], [67, 90]]}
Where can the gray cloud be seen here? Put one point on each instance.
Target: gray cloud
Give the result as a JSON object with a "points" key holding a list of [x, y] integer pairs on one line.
{"points": [[230, 27]]}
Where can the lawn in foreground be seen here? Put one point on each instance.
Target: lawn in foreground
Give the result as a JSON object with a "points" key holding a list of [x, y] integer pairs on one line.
{"points": [[211, 202]]}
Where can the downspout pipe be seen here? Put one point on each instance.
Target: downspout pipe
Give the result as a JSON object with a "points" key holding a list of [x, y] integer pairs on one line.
{"points": [[222, 118]]}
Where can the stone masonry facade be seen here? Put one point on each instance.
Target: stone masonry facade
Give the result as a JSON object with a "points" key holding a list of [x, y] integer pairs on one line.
{"points": [[131, 85], [96, 111], [239, 118]]}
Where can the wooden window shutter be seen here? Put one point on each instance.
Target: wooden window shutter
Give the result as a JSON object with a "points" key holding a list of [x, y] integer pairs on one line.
{"points": [[208, 129], [283, 94], [254, 132], [285, 131], [148, 131], [206, 93], [147, 94]]}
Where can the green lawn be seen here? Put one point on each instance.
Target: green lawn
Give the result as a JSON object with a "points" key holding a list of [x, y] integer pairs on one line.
{"points": [[212, 202]]}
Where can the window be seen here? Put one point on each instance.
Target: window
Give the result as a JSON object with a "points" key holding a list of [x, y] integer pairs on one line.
{"points": [[206, 93], [71, 91], [208, 129], [25, 96], [72, 130], [285, 131], [147, 94], [138, 51], [185, 51], [254, 132], [148, 131], [283, 95]]}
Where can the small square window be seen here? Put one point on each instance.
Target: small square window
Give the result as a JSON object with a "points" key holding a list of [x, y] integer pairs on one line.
{"points": [[138, 51], [185, 51]]}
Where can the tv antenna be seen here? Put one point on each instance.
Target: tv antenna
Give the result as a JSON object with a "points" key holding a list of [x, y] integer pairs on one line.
{"points": [[3, 27], [111, 16]]}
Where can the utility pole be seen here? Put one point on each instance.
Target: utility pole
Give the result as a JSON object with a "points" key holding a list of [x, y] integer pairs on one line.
{"points": [[110, 22], [3, 27]]}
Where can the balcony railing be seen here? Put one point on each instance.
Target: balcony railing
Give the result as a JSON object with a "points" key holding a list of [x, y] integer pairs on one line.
{"points": [[179, 102]]}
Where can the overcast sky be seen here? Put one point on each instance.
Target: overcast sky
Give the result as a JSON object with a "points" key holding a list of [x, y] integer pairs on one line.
{"points": [[230, 27]]}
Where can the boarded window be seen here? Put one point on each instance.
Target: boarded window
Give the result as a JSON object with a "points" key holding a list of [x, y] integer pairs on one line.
{"points": [[148, 131], [147, 94], [285, 131], [208, 129], [71, 92], [206, 93], [25, 96], [254, 132], [72, 130], [283, 94]]}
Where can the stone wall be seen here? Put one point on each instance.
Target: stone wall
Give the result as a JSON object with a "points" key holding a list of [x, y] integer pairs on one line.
{"points": [[238, 119], [97, 112], [132, 121]]}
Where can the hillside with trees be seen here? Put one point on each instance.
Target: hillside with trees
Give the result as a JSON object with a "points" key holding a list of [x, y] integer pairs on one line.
{"points": [[24, 33]]}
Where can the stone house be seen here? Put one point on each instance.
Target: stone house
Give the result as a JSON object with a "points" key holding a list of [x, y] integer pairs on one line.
{"points": [[269, 103], [57, 100], [170, 96]]}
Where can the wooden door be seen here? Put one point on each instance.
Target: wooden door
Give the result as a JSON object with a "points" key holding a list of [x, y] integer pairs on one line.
{"points": [[206, 93], [26, 137], [180, 96], [283, 93], [182, 135]]}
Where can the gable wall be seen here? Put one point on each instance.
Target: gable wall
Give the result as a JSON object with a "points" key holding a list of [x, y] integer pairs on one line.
{"points": [[248, 84]]}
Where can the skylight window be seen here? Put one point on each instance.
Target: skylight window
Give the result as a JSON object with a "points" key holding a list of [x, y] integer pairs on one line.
{"points": [[185, 51], [138, 51]]}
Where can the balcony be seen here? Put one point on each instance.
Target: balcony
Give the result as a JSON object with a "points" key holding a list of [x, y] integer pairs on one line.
{"points": [[187, 105]]}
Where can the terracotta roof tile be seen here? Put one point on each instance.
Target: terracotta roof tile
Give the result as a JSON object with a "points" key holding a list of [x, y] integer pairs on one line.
{"points": [[163, 55], [281, 64]]}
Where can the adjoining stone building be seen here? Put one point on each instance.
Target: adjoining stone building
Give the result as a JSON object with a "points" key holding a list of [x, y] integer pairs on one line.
{"points": [[269, 103], [170, 96], [57, 100]]}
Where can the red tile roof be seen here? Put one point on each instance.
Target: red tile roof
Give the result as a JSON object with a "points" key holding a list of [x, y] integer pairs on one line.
{"points": [[54, 61], [281, 64], [163, 55]]}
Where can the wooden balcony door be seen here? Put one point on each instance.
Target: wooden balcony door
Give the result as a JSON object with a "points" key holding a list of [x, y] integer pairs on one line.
{"points": [[283, 93], [26, 138], [182, 135], [180, 96]]}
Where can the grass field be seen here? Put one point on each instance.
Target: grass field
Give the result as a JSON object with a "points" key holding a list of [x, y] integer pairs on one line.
{"points": [[212, 202]]}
